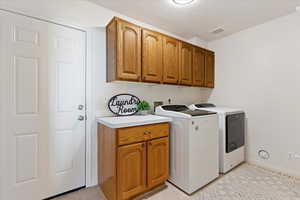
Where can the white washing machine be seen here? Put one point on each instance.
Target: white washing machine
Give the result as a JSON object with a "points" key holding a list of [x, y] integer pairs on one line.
{"points": [[194, 146], [231, 133]]}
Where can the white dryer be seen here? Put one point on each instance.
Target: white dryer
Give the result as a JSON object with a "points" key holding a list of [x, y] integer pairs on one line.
{"points": [[231, 134], [193, 146]]}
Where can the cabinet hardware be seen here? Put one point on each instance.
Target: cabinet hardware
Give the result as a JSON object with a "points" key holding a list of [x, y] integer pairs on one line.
{"points": [[80, 107], [81, 118]]}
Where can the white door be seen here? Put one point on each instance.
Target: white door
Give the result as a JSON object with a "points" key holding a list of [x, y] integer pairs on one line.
{"points": [[44, 65]]}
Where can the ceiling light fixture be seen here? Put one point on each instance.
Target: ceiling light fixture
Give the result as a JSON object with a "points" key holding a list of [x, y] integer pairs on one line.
{"points": [[183, 2]]}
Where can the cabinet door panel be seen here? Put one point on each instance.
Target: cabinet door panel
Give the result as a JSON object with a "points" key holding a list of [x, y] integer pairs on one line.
{"points": [[170, 60], [209, 70], [152, 62], [129, 51], [158, 161], [131, 170], [186, 63], [198, 67]]}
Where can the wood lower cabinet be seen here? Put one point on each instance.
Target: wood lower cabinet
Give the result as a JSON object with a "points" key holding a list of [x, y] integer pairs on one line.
{"points": [[132, 170], [170, 60], [198, 67], [209, 69], [123, 51], [158, 165], [186, 64], [133, 160], [152, 56]]}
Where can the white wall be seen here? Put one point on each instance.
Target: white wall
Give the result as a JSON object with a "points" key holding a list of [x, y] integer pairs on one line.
{"points": [[103, 91], [198, 41], [77, 13], [150, 92], [256, 69], [259, 70], [85, 15]]}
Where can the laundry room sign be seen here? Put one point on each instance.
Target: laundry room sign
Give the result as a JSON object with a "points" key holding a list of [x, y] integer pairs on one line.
{"points": [[124, 104]]}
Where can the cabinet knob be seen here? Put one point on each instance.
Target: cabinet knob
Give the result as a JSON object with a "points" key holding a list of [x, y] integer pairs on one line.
{"points": [[80, 107], [150, 143], [81, 117], [143, 145], [147, 132]]}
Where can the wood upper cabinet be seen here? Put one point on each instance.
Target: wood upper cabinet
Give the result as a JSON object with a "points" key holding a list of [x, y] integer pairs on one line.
{"points": [[138, 54], [158, 165], [129, 51], [186, 63], [170, 60], [152, 56], [123, 51], [198, 67], [131, 170], [209, 69]]}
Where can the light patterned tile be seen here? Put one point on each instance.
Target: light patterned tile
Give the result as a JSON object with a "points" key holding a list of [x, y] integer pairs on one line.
{"points": [[246, 182]]}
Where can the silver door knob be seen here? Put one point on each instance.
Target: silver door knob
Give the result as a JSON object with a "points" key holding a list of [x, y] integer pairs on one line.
{"points": [[81, 118], [80, 107]]}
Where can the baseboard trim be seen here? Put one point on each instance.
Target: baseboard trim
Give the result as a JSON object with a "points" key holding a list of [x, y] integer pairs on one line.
{"points": [[58, 195], [283, 172]]}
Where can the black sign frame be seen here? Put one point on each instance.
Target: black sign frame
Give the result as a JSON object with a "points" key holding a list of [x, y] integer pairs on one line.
{"points": [[123, 94]]}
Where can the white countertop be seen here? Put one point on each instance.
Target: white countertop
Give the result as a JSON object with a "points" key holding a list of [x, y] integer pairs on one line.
{"points": [[135, 120]]}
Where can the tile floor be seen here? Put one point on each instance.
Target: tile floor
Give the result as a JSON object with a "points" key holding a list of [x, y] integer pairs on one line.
{"points": [[246, 182]]}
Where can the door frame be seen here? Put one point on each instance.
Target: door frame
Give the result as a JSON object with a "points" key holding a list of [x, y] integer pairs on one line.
{"points": [[90, 126], [3, 101]]}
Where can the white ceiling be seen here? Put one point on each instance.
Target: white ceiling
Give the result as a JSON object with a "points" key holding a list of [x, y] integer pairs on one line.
{"points": [[203, 16]]}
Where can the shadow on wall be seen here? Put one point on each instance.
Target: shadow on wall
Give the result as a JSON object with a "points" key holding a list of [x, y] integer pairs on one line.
{"points": [[206, 94]]}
